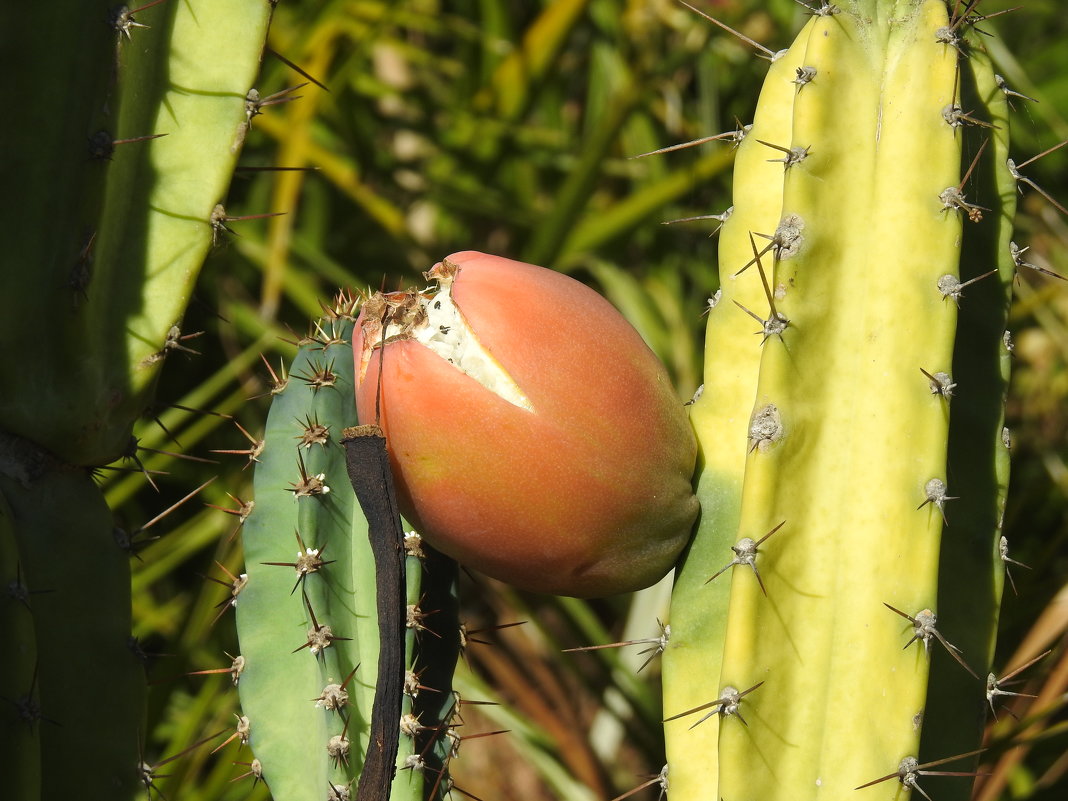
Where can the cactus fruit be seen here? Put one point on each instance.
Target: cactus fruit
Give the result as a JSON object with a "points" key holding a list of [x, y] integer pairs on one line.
{"points": [[309, 623], [534, 435], [798, 663]]}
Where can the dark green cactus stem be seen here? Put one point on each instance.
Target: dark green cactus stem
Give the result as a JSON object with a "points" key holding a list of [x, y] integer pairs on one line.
{"points": [[108, 229], [833, 472], [90, 678], [306, 514], [20, 725]]}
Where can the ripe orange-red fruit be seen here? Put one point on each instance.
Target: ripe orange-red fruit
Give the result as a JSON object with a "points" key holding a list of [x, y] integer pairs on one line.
{"points": [[532, 433]]}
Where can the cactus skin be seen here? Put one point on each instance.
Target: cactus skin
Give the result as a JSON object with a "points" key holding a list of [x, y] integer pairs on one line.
{"points": [[108, 247], [838, 700], [720, 417], [20, 733], [278, 688], [90, 678], [978, 451]]}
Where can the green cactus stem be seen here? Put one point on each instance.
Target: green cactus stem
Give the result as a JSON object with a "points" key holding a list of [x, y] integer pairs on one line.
{"points": [[89, 671], [20, 720], [720, 417], [979, 444], [310, 621], [124, 132], [853, 483], [126, 137]]}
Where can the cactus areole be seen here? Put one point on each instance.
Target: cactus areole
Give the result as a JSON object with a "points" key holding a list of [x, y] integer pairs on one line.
{"points": [[533, 434]]}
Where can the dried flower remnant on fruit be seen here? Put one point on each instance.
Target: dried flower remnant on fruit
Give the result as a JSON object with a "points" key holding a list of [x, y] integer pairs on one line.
{"points": [[435, 322]]}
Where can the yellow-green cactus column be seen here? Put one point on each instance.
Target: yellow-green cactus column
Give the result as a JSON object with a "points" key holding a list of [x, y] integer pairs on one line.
{"points": [[813, 683], [841, 692], [720, 417]]}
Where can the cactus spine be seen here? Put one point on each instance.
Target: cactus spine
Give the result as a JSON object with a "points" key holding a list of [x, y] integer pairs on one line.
{"points": [[815, 687]]}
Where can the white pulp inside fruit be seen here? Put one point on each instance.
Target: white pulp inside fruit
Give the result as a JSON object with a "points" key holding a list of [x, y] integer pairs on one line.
{"points": [[445, 331]]}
